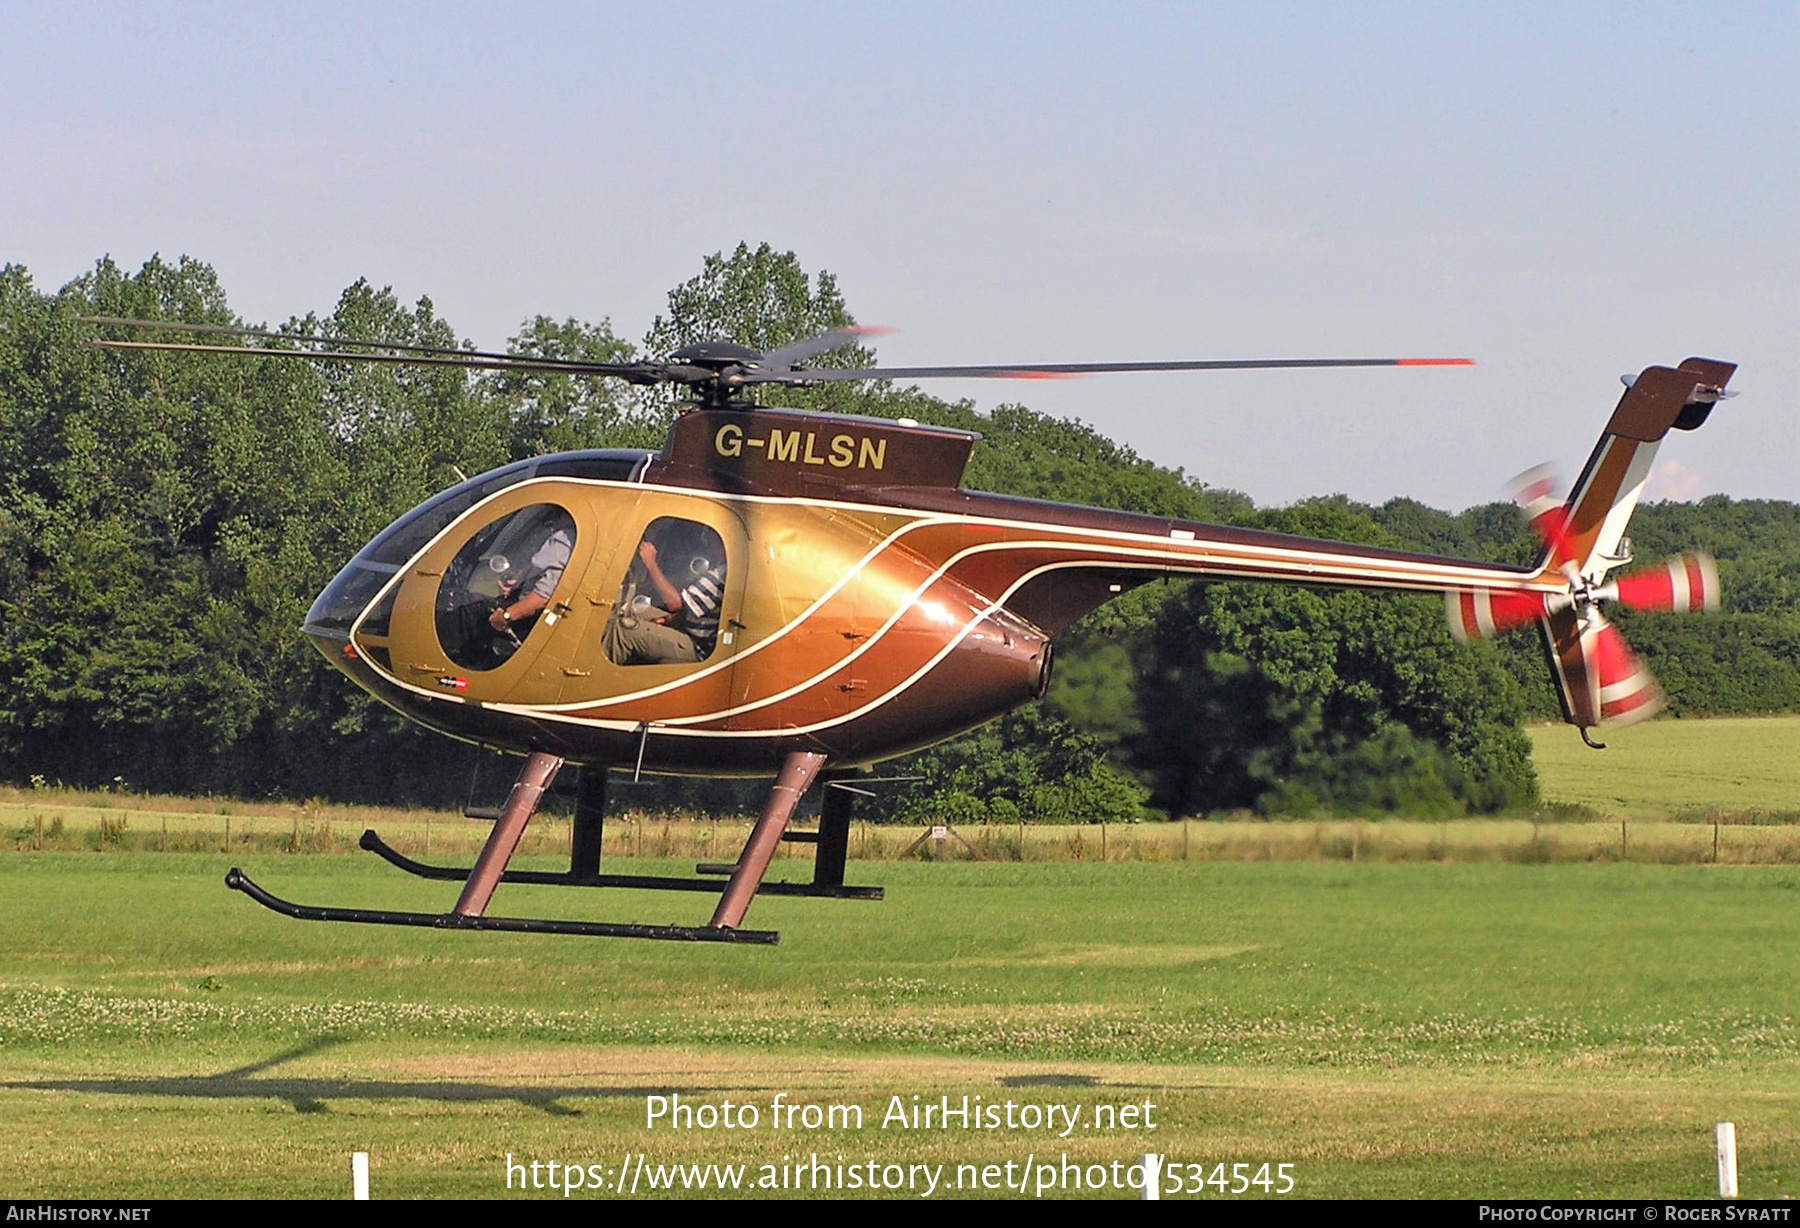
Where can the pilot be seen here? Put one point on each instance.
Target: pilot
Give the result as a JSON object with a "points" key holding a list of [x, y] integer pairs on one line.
{"points": [[546, 570], [677, 624]]}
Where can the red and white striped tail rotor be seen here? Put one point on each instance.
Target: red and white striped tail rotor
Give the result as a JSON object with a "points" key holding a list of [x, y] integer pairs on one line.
{"points": [[1685, 584], [1535, 491], [1481, 613], [1583, 532], [1623, 691]]}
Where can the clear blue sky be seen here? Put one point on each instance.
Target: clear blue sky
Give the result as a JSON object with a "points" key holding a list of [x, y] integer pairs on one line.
{"points": [[1563, 192]]}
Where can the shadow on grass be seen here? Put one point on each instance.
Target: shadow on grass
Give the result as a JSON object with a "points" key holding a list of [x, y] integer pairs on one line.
{"points": [[310, 1095]]}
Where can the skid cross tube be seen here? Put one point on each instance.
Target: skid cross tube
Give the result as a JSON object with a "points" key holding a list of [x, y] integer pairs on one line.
{"points": [[373, 843]]}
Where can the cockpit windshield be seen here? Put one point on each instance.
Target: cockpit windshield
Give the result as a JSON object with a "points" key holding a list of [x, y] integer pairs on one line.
{"points": [[350, 592]]}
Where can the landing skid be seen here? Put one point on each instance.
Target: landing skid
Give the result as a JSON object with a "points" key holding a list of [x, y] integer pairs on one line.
{"points": [[798, 771], [237, 880]]}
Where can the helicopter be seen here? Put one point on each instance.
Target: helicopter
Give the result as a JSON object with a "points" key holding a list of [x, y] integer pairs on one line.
{"points": [[795, 594]]}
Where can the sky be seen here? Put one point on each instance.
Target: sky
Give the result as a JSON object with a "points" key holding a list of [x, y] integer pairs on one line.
{"points": [[1564, 193]]}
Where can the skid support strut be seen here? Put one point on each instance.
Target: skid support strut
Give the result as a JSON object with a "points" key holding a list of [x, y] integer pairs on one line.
{"points": [[835, 809], [589, 825], [797, 773], [539, 770]]}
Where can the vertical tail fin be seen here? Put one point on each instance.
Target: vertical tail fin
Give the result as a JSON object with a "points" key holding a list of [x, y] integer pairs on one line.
{"points": [[1658, 400]]}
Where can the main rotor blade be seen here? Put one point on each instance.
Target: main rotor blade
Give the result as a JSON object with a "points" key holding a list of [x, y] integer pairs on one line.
{"points": [[776, 367], [824, 343], [1069, 370], [229, 330], [638, 373]]}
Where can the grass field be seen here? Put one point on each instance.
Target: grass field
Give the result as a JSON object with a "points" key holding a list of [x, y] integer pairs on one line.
{"points": [[1385, 1029], [1560, 1004], [1732, 764]]}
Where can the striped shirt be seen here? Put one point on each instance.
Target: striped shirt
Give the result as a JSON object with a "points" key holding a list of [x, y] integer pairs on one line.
{"points": [[700, 608]]}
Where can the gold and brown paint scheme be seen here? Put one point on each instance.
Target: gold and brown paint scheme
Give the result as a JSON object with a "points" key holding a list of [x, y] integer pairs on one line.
{"points": [[871, 605]]}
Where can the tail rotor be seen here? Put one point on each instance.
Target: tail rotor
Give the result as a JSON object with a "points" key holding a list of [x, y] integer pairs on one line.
{"points": [[1685, 584], [1601, 682]]}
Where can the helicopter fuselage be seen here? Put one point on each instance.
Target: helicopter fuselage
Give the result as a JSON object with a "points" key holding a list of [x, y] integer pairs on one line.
{"points": [[865, 605]]}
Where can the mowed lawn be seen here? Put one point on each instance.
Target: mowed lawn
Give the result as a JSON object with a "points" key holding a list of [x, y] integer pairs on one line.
{"points": [[1408, 1029]]}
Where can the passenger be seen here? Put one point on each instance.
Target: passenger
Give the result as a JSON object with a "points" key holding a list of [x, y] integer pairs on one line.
{"points": [[546, 571], [676, 625]]}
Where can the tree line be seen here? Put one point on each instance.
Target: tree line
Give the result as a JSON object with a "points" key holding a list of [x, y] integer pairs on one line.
{"points": [[165, 520]]}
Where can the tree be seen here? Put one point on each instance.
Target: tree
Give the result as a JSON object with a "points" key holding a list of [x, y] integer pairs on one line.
{"points": [[551, 412], [167, 527], [1030, 765], [152, 620], [165, 520], [1282, 699]]}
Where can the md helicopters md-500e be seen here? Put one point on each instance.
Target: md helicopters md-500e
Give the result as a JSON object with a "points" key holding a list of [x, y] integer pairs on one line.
{"points": [[786, 593]]}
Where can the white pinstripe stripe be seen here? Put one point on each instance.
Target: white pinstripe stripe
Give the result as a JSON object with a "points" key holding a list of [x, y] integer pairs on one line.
{"points": [[1133, 552], [1139, 559], [1624, 502], [679, 730]]}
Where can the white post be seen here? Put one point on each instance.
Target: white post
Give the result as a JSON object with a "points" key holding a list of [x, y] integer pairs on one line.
{"points": [[1726, 1134], [1152, 1187], [359, 1176]]}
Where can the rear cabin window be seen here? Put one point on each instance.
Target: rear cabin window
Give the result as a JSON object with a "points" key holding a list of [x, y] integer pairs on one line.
{"points": [[668, 607]]}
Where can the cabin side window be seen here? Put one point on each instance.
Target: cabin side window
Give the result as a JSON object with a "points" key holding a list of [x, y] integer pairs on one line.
{"points": [[668, 606], [501, 581]]}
